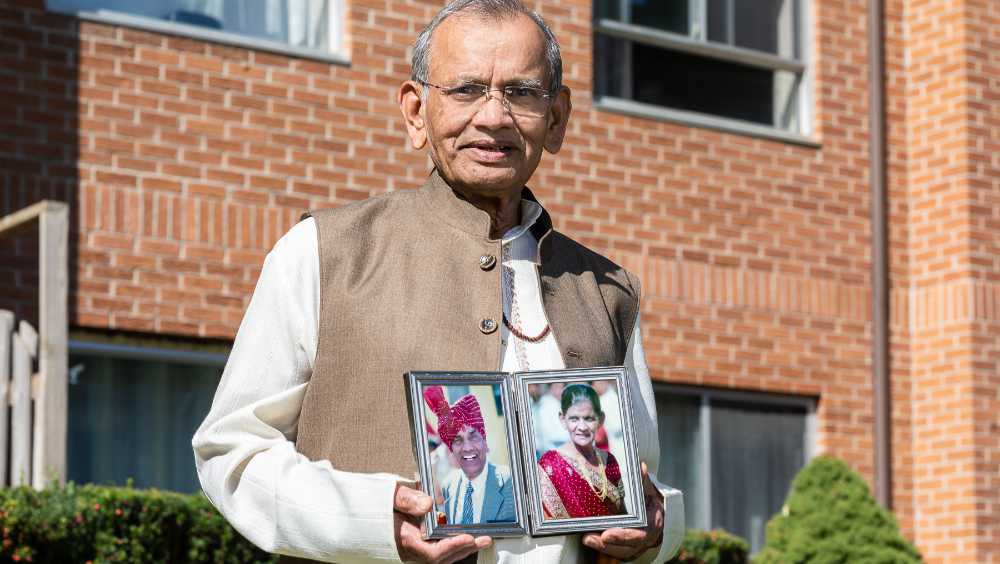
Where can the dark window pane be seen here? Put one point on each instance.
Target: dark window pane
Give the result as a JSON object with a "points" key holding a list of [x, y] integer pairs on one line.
{"points": [[718, 21], [607, 9], [756, 451], [609, 72], [699, 84], [766, 25], [682, 463], [670, 15], [134, 419]]}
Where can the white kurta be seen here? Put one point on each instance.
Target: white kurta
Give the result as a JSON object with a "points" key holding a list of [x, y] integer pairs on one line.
{"points": [[285, 503]]}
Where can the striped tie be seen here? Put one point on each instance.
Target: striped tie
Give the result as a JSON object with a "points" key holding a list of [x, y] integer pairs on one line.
{"points": [[467, 505]]}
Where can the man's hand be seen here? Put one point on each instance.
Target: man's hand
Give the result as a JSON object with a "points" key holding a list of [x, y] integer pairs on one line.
{"points": [[410, 507], [626, 544]]}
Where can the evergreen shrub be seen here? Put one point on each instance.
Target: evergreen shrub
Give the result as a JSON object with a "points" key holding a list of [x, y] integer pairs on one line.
{"points": [[712, 547], [830, 517], [107, 524]]}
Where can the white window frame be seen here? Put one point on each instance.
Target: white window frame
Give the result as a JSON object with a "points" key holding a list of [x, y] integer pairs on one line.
{"points": [[750, 398], [337, 52], [696, 43]]}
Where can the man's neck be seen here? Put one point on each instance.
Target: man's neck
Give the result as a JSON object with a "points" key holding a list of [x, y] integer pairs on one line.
{"points": [[505, 213], [473, 478], [504, 210]]}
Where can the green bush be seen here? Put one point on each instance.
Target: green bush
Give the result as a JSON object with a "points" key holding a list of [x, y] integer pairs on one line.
{"points": [[103, 524], [830, 517], [712, 547]]}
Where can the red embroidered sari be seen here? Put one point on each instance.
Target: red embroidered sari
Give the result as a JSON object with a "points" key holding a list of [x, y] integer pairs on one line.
{"points": [[566, 493]]}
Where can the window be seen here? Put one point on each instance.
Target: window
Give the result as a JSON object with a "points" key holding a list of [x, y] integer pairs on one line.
{"points": [[132, 412], [733, 64], [733, 454], [309, 27]]}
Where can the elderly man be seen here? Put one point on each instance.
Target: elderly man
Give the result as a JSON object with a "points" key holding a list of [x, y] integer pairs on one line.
{"points": [[478, 491], [306, 449]]}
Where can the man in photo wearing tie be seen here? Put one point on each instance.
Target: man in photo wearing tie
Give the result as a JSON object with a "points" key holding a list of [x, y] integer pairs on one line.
{"points": [[478, 491]]}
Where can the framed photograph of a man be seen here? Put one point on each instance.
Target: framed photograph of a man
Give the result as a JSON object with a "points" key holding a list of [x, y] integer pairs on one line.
{"points": [[578, 450], [464, 436]]}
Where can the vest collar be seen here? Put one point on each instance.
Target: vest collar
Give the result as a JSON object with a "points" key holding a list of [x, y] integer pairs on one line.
{"points": [[462, 215]]}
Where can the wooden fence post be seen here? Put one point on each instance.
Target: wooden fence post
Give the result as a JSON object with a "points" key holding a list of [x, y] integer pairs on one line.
{"points": [[25, 350], [6, 340], [51, 402]]}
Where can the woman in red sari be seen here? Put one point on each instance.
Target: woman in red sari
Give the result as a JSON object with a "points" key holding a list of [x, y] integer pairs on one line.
{"points": [[578, 479]]}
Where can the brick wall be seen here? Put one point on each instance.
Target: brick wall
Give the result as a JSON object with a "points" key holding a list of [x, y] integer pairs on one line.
{"points": [[950, 268], [185, 160]]}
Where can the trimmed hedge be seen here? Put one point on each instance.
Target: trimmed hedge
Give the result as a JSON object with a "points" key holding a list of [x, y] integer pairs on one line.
{"points": [[101, 524], [105, 524], [830, 518], [712, 547]]}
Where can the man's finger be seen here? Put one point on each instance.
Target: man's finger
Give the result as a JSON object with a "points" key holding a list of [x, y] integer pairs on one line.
{"points": [[631, 537], [593, 541], [453, 549], [648, 487], [411, 502]]}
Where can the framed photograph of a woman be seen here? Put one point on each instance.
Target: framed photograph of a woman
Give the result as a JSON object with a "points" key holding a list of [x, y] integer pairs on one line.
{"points": [[463, 427], [581, 465]]}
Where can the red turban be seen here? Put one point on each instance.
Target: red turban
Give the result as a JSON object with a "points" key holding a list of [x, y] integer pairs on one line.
{"points": [[451, 419]]}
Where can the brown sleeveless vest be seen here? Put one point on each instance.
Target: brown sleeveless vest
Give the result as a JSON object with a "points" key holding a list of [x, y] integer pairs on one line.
{"points": [[402, 288]]}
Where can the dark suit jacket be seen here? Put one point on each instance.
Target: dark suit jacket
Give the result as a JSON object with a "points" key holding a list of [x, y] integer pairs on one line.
{"points": [[498, 500]]}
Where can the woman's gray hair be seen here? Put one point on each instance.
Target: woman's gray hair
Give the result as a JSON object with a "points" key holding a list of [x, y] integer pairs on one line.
{"points": [[495, 9]]}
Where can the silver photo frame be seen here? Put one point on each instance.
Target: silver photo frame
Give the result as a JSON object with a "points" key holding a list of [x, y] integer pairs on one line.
{"points": [[564, 478], [502, 496]]}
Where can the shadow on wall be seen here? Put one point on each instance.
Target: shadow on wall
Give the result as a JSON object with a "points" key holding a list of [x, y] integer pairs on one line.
{"points": [[39, 141]]}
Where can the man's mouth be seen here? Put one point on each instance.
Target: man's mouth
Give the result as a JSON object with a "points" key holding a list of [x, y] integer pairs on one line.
{"points": [[491, 150], [470, 456]]}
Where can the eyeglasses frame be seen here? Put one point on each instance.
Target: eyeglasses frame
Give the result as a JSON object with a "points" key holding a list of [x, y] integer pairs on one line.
{"points": [[546, 94]]}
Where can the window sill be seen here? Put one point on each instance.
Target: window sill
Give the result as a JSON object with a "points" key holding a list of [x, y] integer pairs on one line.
{"points": [[639, 109], [195, 32]]}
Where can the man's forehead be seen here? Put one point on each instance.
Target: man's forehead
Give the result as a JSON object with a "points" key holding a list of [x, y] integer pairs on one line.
{"points": [[466, 430], [472, 47]]}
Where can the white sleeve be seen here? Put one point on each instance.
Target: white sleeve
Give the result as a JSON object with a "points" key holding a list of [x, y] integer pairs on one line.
{"points": [[244, 450], [648, 445]]}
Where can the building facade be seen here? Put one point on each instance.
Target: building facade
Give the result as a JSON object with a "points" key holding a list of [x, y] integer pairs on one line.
{"points": [[720, 152]]}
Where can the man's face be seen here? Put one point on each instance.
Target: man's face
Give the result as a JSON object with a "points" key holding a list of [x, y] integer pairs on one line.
{"points": [[483, 149], [470, 448]]}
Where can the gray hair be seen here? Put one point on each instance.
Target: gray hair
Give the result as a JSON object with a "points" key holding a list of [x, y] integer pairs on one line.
{"points": [[495, 9]]}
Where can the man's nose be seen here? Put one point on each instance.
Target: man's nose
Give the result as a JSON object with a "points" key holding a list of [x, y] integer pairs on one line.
{"points": [[493, 112]]}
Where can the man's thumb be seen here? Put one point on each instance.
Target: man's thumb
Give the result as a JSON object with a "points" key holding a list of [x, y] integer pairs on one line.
{"points": [[411, 502]]}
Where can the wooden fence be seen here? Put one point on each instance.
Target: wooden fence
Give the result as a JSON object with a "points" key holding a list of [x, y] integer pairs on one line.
{"points": [[34, 402]]}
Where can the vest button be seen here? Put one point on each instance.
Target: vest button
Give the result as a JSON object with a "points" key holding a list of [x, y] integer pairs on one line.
{"points": [[486, 262], [487, 325]]}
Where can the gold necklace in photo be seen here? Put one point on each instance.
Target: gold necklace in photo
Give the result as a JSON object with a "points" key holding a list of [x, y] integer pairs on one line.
{"points": [[601, 493]]}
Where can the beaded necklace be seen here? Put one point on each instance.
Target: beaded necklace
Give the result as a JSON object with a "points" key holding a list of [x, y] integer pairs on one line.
{"points": [[514, 319]]}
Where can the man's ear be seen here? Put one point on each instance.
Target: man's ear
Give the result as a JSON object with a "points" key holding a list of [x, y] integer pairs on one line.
{"points": [[558, 120], [411, 105]]}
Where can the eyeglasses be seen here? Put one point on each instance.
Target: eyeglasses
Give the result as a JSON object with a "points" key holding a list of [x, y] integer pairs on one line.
{"points": [[519, 100]]}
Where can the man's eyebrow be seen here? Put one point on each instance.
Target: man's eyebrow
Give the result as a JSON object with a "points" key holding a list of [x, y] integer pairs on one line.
{"points": [[474, 79], [527, 82], [470, 78]]}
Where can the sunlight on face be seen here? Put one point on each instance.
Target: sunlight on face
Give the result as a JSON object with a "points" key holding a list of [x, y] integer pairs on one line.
{"points": [[470, 448], [581, 422], [487, 150]]}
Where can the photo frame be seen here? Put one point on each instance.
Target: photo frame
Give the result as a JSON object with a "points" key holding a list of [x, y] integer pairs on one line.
{"points": [[475, 413], [489, 441], [566, 492]]}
